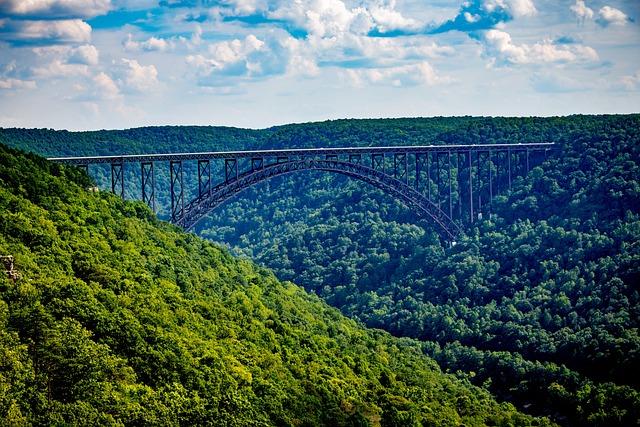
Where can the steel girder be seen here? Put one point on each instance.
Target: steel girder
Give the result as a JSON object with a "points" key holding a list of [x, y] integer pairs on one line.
{"points": [[117, 179], [201, 206], [369, 164], [148, 185], [303, 152]]}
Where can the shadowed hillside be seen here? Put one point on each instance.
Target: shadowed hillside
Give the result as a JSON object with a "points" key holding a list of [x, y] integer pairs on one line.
{"points": [[120, 319]]}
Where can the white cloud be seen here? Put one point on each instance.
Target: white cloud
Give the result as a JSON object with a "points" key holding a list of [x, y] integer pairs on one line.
{"points": [[388, 19], [301, 66], [86, 54], [502, 52], [194, 41], [229, 59], [131, 77], [56, 8], [607, 15], [196, 37], [631, 82], [65, 61], [612, 16], [12, 84], [59, 31], [229, 52], [59, 68], [472, 18], [406, 75], [104, 88], [150, 45], [582, 11], [10, 79], [326, 18], [333, 18], [518, 8]]}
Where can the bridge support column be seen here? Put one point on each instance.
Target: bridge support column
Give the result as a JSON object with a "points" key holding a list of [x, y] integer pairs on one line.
{"points": [[377, 162], [450, 188], [443, 163], [490, 179], [509, 165], [429, 175], [469, 154], [230, 169], [501, 171], [438, 179], [483, 164], [422, 161], [117, 179], [177, 190], [204, 178], [400, 171], [148, 185]]}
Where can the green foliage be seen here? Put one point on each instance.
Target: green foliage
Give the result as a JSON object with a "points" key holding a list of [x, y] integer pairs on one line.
{"points": [[119, 319], [541, 293], [538, 303]]}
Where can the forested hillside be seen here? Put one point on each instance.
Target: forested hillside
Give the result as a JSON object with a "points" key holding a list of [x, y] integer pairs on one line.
{"points": [[112, 317], [539, 303]]}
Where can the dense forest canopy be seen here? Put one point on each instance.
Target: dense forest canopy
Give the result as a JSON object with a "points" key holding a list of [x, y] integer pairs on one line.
{"points": [[114, 318], [538, 303]]}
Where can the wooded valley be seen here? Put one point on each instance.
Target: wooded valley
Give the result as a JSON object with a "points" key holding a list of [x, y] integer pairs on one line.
{"points": [[536, 305]]}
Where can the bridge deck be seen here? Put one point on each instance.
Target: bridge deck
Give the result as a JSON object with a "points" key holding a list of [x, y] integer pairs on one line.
{"points": [[302, 152]]}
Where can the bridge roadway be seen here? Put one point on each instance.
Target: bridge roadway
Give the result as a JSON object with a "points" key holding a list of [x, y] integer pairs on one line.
{"points": [[432, 183], [300, 152]]}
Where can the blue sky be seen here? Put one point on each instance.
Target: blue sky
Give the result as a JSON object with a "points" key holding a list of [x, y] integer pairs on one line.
{"points": [[114, 64]]}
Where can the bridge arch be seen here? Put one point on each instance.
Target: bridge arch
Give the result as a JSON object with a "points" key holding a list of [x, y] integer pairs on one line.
{"points": [[485, 169], [204, 204]]}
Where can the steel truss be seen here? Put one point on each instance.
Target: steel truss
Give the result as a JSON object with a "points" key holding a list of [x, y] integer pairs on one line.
{"points": [[200, 207], [480, 173]]}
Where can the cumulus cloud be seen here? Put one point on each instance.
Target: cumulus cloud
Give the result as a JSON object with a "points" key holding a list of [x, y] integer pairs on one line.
{"points": [[53, 31], [368, 52], [582, 11], [611, 16], [401, 76], [104, 88], [478, 15], [607, 15], [321, 18], [65, 61], [58, 68], [247, 58], [11, 83], [500, 50], [86, 54], [152, 44], [55, 8], [131, 77]]}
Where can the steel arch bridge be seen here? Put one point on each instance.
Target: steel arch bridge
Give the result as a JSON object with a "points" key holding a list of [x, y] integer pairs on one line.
{"points": [[430, 180]]}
